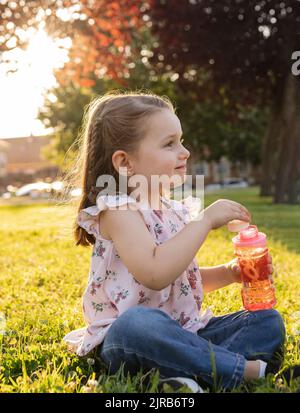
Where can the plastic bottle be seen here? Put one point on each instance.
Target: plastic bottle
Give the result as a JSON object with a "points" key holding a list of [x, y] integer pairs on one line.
{"points": [[250, 247]]}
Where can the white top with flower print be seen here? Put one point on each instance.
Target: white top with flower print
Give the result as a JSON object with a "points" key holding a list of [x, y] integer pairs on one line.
{"points": [[112, 289]]}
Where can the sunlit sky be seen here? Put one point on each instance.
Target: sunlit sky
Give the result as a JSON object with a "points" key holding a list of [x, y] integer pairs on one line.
{"points": [[21, 93]]}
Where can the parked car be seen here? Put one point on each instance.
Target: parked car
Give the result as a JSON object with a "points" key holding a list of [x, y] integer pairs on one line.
{"points": [[234, 183], [227, 183], [76, 192], [6, 195], [9, 193], [213, 187], [35, 190]]}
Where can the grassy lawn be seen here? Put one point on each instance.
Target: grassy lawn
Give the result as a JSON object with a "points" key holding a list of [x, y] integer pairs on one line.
{"points": [[43, 276]]}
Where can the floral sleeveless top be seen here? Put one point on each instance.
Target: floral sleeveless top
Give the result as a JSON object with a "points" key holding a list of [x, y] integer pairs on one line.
{"points": [[112, 289]]}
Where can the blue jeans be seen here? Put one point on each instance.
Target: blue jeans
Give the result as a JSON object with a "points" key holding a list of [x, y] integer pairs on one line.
{"points": [[146, 338]]}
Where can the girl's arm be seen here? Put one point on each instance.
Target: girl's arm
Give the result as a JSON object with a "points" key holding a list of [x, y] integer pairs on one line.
{"points": [[218, 276], [157, 266], [173, 256]]}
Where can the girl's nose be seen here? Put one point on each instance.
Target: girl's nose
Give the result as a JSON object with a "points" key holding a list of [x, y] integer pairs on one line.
{"points": [[186, 152]]}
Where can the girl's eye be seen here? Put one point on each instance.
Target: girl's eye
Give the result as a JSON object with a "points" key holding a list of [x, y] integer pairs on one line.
{"points": [[171, 142]]}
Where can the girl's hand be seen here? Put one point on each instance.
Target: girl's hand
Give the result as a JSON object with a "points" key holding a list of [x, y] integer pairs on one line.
{"points": [[223, 210], [235, 271]]}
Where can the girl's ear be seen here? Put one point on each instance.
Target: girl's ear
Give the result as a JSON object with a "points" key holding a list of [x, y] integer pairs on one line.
{"points": [[120, 160]]}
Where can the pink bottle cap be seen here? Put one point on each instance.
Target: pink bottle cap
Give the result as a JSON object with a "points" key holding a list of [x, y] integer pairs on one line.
{"points": [[250, 237]]}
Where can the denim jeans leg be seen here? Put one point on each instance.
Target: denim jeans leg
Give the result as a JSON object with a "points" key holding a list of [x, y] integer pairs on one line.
{"points": [[148, 338], [254, 334]]}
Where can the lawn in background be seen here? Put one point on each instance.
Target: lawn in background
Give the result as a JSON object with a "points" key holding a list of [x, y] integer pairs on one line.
{"points": [[43, 276]]}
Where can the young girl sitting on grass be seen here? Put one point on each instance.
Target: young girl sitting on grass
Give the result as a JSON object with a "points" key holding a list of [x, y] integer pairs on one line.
{"points": [[142, 303]]}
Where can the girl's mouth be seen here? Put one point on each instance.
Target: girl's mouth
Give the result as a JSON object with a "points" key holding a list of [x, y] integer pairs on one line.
{"points": [[181, 168]]}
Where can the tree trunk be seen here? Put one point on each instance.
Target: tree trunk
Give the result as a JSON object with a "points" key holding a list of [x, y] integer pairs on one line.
{"points": [[270, 145], [288, 171], [294, 178]]}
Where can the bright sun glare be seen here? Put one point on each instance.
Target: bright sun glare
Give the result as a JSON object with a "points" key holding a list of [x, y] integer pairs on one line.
{"points": [[22, 91]]}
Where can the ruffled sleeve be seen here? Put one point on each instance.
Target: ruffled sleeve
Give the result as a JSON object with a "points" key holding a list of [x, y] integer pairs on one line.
{"points": [[88, 218], [192, 208]]}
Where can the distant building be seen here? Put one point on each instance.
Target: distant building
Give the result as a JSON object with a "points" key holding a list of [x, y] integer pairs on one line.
{"points": [[218, 171], [3, 157], [21, 161]]}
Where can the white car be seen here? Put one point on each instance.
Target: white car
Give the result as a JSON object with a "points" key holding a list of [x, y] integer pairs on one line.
{"points": [[212, 187], [234, 183], [35, 190], [227, 183], [76, 192], [6, 195]]}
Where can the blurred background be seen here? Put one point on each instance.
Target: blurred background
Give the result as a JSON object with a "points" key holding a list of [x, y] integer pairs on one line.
{"points": [[230, 68]]}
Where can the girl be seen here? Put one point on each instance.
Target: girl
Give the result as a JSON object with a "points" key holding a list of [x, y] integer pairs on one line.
{"points": [[142, 304]]}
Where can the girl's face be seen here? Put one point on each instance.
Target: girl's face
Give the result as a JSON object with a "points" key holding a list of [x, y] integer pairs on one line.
{"points": [[161, 152]]}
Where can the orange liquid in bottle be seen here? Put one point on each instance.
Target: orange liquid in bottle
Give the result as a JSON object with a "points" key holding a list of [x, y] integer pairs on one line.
{"points": [[258, 292]]}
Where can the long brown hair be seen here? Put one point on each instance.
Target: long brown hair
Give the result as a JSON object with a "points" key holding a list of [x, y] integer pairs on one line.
{"points": [[113, 121]]}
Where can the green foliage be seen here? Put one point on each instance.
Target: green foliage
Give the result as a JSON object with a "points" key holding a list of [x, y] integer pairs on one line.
{"points": [[230, 42], [214, 122], [63, 111], [213, 126], [206, 124], [43, 277]]}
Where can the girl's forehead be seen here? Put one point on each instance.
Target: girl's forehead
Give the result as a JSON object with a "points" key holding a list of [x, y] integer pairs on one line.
{"points": [[163, 124], [165, 118]]}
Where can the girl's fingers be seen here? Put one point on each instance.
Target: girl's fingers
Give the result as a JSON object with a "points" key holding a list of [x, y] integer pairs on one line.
{"points": [[242, 214], [246, 213]]}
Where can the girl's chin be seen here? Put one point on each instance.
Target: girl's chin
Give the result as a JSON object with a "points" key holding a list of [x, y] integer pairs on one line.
{"points": [[177, 181]]}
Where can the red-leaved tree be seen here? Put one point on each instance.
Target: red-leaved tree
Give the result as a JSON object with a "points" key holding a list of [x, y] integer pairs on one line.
{"points": [[248, 47]]}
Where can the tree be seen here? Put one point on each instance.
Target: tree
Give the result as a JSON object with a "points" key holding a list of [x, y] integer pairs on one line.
{"points": [[112, 45], [103, 43], [63, 111], [246, 46], [101, 32], [209, 129]]}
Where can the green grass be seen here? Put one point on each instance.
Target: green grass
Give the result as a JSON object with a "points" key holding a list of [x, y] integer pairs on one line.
{"points": [[43, 276]]}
